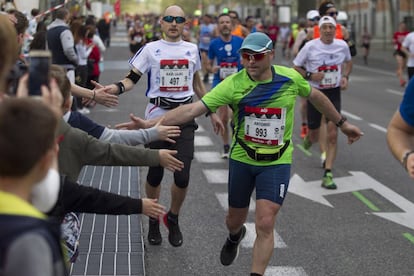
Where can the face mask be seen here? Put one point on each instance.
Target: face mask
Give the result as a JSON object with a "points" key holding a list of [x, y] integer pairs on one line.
{"points": [[45, 193]]}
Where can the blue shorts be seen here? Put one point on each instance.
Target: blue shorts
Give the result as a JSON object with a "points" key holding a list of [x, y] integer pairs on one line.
{"points": [[271, 183]]}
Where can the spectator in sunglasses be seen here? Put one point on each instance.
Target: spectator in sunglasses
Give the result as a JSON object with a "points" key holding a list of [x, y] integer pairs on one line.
{"points": [[172, 66], [263, 98]]}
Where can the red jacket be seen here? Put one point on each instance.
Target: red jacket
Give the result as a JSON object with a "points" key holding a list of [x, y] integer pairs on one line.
{"points": [[95, 55]]}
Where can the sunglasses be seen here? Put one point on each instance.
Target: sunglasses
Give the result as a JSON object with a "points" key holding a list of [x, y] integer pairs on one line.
{"points": [[170, 19], [254, 57], [332, 14], [315, 18]]}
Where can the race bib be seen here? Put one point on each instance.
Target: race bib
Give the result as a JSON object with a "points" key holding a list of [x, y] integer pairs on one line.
{"points": [[174, 75], [265, 126], [227, 69], [331, 76]]}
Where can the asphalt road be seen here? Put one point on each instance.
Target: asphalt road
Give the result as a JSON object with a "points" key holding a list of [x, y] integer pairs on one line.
{"points": [[366, 227]]}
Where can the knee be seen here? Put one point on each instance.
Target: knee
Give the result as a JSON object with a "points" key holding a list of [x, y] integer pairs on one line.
{"points": [[182, 179], [154, 176], [265, 225]]}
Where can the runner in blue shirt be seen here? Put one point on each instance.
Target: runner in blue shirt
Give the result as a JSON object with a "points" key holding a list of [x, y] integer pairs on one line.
{"points": [[400, 132], [224, 53]]}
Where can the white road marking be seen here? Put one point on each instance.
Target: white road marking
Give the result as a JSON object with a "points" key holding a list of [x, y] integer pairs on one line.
{"points": [[222, 198], [248, 240], [202, 141], [350, 115], [378, 127], [216, 176], [285, 271], [208, 157], [395, 92]]}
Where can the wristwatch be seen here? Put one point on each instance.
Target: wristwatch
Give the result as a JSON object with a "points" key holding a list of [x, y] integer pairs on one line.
{"points": [[405, 157], [342, 121], [308, 75]]}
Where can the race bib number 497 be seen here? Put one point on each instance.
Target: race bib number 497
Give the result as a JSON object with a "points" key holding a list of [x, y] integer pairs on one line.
{"points": [[174, 75]]}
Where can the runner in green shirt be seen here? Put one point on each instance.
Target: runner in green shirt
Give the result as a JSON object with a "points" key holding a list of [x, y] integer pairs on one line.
{"points": [[263, 99]]}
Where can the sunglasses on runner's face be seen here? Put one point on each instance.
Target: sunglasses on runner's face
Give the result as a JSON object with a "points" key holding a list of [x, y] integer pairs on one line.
{"points": [[332, 13], [255, 56], [170, 19], [315, 19]]}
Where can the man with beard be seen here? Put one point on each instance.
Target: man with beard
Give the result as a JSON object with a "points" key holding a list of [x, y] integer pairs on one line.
{"points": [[225, 50]]}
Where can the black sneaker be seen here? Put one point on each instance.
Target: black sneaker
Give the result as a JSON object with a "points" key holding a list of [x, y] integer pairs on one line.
{"points": [[174, 234], [154, 235], [230, 249]]}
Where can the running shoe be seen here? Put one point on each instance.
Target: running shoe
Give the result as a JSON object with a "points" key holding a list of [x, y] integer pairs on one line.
{"points": [[175, 237], [304, 131], [306, 143], [230, 249], [327, 181], [154, 235]]}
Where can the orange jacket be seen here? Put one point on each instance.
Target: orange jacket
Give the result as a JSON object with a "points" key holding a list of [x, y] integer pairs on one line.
{"points": [[338, 32]]}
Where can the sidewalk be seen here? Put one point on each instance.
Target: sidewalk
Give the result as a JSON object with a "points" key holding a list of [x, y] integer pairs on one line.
{"points": [[112, 245]]}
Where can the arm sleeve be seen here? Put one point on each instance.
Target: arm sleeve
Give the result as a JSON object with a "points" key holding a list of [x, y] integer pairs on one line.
{"points": [[130, 137], [79, 198], [29, 254]]}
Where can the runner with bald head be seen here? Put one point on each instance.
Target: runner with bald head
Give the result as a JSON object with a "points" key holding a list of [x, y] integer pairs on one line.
{"points": [[173, 80]]}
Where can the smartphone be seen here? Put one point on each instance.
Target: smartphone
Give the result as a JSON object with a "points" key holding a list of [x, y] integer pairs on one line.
{"points": [[38, 71]]}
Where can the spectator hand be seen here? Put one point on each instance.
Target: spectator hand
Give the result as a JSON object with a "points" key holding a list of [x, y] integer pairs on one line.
{"points": [[166, 132], [103, 95], [135, 123], [168, 161], [52, 96], [151, 208]]}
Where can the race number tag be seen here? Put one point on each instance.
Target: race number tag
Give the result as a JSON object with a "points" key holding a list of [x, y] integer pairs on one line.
{"points": [[265, 126], [227, 69], [331, 76], [174, 75]]}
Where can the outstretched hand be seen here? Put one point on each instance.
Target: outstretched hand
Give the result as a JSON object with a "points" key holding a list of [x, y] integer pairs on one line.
{"points": [[151, 208], [103, 95], [168, 161], [165, 133], [135, 123]]}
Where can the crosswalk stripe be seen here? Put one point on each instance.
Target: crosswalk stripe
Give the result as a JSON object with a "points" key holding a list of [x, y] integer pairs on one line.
{"points": [[248, 240], [202, 141], [285, 271], [222, 198], [216, 176]]}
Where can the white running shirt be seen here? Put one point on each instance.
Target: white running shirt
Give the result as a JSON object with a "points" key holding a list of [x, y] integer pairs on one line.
{"points": [[409, 44], [317, 56], [170, 67]]}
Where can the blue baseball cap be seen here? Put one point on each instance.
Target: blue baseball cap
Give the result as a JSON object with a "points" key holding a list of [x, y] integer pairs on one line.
{"points": [[257, 42]]}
